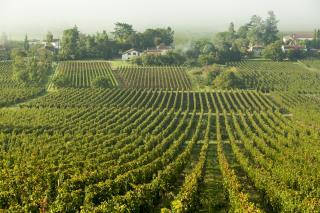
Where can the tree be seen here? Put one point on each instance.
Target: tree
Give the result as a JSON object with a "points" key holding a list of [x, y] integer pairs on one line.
{"points": [[104, 49], [49, 37], [171, 58], [228, 79], [32, 69], [274, 52], [206, 59], [243, 31], [199, 47], [101, 82], [18, 52], [26, 43], [271, 29], [222, 41], [154, 37], [295, 54], [256, 30], [70, 43], [137, 41], [122, 32], [231, 33], [4, 40], [318, 39], [61, 81]]}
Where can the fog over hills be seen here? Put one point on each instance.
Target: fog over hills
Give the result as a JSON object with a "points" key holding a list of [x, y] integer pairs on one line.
{"points": [[36, 17]]}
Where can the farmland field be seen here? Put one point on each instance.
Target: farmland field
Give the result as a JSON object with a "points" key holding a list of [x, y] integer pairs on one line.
{"points": [[153, 144], [282, 76], [80, 74], [155, 77], [12, 91]]}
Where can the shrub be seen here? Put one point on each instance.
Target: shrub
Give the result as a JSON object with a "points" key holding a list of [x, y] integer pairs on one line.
{"points": [[101, 82], [274, 52], [61, 81], [228, 79]]}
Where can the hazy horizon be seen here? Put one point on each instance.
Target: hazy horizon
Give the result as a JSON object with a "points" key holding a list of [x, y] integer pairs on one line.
{"points": [[36, 17]]}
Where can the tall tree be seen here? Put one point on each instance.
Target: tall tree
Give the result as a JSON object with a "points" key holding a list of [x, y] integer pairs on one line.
{"points": [[49, 37], [231, 32], [26, 43], [4, 39], [122, 32], [256, 30], [70, 43], [318, 38], [314, 42], [271, 29], [32, 69]]}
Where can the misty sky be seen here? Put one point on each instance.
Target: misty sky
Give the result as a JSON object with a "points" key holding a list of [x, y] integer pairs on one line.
{"points": [[36, 17]]}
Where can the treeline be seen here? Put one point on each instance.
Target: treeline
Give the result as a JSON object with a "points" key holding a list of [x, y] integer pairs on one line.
{"points": [[77, 45], [315, 43], [230, 45]]}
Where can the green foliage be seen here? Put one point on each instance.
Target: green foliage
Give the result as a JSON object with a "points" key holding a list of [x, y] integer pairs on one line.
{"points": [[204, 76], [83, 73], [101, 82], [34, 68], [278, 76], [61, 81], [122, 32], [228, 79], [206, 59], [171, 58], [76, 45], [274, 52], [296, 54], [26, 44], [70, 44], [49, 37], [12, 90]]}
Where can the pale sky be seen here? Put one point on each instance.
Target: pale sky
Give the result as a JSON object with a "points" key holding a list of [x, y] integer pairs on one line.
{"points": [[36, 17]]}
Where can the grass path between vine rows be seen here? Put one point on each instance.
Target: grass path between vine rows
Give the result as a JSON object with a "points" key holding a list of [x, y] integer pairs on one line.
{"points": [[212, 195]]}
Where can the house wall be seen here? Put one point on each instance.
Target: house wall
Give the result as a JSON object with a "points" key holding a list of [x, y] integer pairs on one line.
{"points": [[130, 55]]}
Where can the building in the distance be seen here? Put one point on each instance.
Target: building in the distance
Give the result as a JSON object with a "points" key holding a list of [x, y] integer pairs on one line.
{"points": [[129, 54], [255, 50], [296, 41], [159, 50], [296, 38], [55, 44], [286, 48]]}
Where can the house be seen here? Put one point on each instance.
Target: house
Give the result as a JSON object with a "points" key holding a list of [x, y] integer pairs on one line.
{"points": [[159, 50], [296, 38], [296, 41], [129, 54], [286, 48], [54, 44], [303, 36], [255, 50], [33, 42]]}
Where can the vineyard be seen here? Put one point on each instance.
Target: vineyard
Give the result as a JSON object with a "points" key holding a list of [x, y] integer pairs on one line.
{"points": [[278, 76], [13, 91], [315, 64], [215, 101], [152, 144], [80, 74], [155, 77]]}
